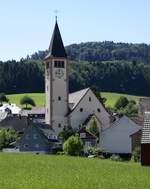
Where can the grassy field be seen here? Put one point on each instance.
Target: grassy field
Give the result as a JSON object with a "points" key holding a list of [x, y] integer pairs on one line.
{"points": [[39, 98], [112, 98], [26, 171]]}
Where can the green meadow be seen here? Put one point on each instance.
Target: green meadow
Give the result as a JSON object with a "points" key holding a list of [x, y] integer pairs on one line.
{"points": [[30, 171], [39, 98], [112, 98]]}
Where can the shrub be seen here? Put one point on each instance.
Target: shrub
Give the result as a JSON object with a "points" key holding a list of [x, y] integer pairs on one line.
{"points": [[73, 146], [7, 138], [3, 98], [136, 155], [66, 132], [93, 128], [60, 153], [93, 151], [115, 157], [121, 102]]}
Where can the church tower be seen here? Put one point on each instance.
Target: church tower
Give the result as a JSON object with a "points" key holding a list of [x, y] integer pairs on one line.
{"points": [[56, 83]]}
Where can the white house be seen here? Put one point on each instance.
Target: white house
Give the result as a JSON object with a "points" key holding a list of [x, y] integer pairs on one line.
{"points": [[116, 138]]}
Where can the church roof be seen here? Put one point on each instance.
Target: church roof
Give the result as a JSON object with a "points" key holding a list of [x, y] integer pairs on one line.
{"points": [[74, 98], [56, 48]]}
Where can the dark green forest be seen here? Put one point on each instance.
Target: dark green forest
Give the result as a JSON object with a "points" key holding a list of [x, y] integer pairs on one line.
{"points": [[108, 66]]}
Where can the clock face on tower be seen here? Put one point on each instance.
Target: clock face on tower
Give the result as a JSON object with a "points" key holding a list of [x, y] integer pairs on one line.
{"points": [[59, 73]]}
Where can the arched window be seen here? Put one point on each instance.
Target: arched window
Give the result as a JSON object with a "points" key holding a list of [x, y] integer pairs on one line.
{"points": [[81, 109], [90, 99], [59, 98]]}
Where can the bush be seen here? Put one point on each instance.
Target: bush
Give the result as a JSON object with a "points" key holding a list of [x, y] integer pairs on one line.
{"points": [[136, 155], [115, 157], [122, 102], [3, 98], [73, 146], [66, 132], [60, 153], [93, 128], [93, 151], [7, 138]]}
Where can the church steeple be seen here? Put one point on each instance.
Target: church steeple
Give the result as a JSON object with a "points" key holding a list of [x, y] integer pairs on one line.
{"points": [[56, 83], [56, 48]]}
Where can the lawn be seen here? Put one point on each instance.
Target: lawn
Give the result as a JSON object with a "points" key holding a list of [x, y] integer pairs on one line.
{"points": [[39, 98], [112, 98], [27, 171]]}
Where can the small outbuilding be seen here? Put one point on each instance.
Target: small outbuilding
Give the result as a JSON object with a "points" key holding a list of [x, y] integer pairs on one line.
{"points": [[145, 141], [88, 139], [116, 138]]}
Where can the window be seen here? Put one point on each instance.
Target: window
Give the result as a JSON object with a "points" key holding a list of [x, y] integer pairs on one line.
{"points": [[98, 110], [59, 98], [59, 64], [59, 125], [81, 109], [90, 99]]}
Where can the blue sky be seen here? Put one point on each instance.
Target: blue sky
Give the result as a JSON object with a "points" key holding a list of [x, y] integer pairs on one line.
{"points": [[26, 25]]}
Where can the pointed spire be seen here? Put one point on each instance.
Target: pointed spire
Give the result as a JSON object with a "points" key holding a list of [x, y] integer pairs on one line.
{"points": [[56, 48]]}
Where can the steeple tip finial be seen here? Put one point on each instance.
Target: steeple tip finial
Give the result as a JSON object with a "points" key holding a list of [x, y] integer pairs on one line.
{"points": [[56, 15]]}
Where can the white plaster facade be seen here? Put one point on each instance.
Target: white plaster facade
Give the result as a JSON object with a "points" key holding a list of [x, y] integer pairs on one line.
{"points": [[86, 105], [116, 139], [56, 95]]}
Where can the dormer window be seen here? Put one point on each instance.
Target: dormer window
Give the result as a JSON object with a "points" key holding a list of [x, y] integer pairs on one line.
{"points": [[59, 64]]}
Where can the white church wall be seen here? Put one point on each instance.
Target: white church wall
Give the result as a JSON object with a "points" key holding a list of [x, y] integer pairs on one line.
{"points": [[116, 139], [60, 106], [47, 92], [89, 107]]}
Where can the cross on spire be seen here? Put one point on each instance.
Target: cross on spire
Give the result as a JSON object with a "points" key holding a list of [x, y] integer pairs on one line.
{"points": [[56, 14]]}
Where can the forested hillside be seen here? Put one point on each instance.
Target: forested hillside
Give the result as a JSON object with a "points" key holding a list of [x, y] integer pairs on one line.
{"points": [[104, 51], [113, 67]]}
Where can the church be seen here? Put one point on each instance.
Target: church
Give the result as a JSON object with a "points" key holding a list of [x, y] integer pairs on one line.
{"points": [[61, 107], [39, 128]]}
